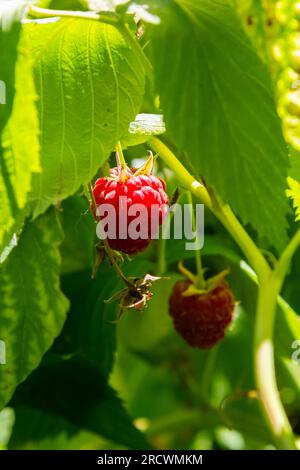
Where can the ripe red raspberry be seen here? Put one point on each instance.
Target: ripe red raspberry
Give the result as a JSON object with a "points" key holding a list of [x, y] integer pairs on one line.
{"points": [[139, 189], [201, 319]]}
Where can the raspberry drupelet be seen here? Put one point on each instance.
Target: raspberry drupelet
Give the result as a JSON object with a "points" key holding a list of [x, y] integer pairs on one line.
{"points": [[123, 191]]}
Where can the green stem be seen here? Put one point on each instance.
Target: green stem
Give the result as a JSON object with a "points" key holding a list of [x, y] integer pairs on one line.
{"points": [[115, 265], [245, 242], [91, 192], [199, 268], [161, 266], [161, 258], [264, 364], [38, 12], [120, 156], [207, 373], [283, 264], [264, 349], [186, 180], [223, 213]]}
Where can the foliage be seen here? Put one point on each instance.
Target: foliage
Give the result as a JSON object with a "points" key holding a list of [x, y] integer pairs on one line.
{"points": [[219, 79]]}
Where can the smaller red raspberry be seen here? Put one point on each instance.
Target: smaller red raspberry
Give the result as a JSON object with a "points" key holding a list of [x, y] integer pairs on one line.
{"points": [[201, 319]]}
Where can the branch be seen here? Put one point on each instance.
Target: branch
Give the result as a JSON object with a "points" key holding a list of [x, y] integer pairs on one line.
{"points": [[37, 12], [223, 213]]}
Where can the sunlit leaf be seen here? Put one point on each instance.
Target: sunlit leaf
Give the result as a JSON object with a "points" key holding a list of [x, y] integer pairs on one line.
{"points": [[90, 85], [19, 150]]}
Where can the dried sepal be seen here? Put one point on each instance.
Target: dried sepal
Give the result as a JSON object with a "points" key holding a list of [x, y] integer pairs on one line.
{"points": [[136, 295]]}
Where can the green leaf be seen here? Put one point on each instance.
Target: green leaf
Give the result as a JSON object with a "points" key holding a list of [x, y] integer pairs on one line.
{"points": [[78, 224], [19, 154], [32, 307], [75, 5], [6, 425], [36, 430], [254, 17], [295, 164], [75, 390], [217, 101], [294, 181], [11, 13], [90, 84], [32, 426], [294, 193], [19, 149], [89, 330]]}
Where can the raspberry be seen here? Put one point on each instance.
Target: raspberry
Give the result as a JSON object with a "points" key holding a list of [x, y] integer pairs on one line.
{"points": [[138, 188], [201, 319]]}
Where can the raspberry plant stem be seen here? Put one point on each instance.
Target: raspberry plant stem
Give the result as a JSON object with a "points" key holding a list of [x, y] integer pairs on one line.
{"points": [[264, 366], [270, 281], [245, 242], [223, 213], [281, 269], [38, 12], [161, 265], [186, 180], [120, 156], [207, 374], [91, 193], [264, 348], [115, 265], [199, 268]]}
